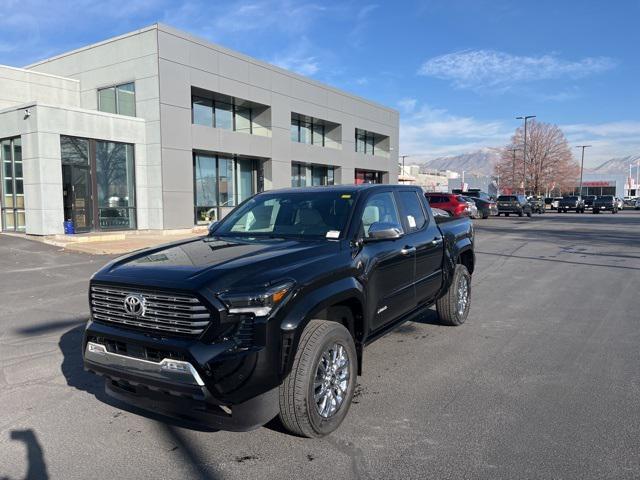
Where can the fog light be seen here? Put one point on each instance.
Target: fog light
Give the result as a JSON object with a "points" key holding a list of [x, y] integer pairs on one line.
{"points": [[96, 348]]}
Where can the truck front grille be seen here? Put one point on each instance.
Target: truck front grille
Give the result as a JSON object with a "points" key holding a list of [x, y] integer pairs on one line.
{"points": [[170, 313]]}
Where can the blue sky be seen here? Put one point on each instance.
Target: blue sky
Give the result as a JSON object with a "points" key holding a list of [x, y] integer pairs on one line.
{"points": [[458, 71]]}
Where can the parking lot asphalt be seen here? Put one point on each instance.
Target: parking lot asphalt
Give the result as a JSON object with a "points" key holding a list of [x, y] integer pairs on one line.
{"points": [[543, 381]]}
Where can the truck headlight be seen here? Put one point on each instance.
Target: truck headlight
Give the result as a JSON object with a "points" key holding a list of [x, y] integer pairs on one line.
{"points": [[257, 302]]}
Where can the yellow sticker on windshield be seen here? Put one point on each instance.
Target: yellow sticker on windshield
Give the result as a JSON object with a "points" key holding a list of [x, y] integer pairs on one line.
{"points": [[345, 196]]}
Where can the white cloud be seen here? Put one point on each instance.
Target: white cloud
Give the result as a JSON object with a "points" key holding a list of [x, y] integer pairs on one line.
{"points": [[407, 105], [300, 59], [480, 69], [607, 140], [429, 132]]}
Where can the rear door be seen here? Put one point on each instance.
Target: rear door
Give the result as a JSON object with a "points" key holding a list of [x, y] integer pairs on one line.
{"points": [[388, 267], [424, 235]]}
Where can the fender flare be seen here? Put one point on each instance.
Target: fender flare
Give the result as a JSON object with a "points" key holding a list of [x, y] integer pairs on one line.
{"points": [[309, 304]]}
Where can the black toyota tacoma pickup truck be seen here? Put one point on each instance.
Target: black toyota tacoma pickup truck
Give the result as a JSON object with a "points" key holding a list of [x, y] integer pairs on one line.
{"points": [[270, 312]]}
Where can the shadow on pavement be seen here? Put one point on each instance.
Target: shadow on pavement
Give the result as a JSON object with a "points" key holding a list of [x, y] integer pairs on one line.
{"points": [[73, 370], [36, 466], [51, 326]]}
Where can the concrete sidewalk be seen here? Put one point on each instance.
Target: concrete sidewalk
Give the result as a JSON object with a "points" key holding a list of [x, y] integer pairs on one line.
{"points": [[114, 243]]}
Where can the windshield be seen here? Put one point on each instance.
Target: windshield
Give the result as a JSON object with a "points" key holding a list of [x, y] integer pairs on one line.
{"points": [[291, 214], [573, 199], [506, 198]]}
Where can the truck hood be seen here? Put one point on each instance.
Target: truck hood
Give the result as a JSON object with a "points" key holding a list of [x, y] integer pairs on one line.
{"points": [[217, 262]]}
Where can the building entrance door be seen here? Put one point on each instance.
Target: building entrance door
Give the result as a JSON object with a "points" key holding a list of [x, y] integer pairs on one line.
{"points": [[78, 201]]}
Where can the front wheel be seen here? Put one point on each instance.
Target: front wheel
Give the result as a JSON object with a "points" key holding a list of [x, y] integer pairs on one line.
{"points": [[529, 214], [316, 395], [453, 307]]}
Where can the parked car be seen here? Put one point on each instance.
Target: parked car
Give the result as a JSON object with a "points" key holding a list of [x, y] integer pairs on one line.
{"points": [[630, 201], [484, 202], [537, 204], [571, 203], [637, 204], [555, 203], [516, 204], [620, 203], [270, 313], [605, 203], [450, 202], [473, 209], [588, 201]]}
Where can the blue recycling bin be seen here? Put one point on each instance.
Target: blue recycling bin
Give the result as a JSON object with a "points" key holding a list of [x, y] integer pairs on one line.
{"points": [[69, 228]]}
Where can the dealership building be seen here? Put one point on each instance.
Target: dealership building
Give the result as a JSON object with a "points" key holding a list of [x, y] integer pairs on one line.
{"points": [[156, 129]]}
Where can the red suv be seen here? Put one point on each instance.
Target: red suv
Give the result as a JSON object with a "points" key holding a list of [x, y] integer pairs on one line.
{"points": [[450, 202]]}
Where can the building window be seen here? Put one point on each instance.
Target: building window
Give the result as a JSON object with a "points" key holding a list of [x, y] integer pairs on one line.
{"points": [[98, 184], [298, 175], [12, 185], [115, 185], [221, 181], [226, 115], [309, 130], [120, 99], [365, 142], [368, 176], [371, 143], [311, 175]]}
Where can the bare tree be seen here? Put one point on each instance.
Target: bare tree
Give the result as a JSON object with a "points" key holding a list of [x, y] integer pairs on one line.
{"points": [[550, 164]]}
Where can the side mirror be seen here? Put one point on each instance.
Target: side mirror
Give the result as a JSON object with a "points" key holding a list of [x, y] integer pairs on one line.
{"points": [[212, 227], [383, 231]]}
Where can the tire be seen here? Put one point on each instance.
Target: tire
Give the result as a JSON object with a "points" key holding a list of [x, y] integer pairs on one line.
{"points": [[528, 214], [520, 213], [485, 215], [450, 311], [506, 214], [298, 409]]}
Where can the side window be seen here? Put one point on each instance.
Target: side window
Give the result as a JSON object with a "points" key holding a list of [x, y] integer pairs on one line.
{"points": [[412, 210], [433, 199], [380, 207]]}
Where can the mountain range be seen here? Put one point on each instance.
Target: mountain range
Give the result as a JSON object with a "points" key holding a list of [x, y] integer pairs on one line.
{"points": [[482, 162]]}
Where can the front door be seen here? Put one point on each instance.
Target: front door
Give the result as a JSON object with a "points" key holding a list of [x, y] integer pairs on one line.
{"points": [[76, 191], [388, 266]]}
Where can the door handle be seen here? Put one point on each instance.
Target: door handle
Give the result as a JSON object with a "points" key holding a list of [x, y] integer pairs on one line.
{"points": [[408, 249], [436, 241]]}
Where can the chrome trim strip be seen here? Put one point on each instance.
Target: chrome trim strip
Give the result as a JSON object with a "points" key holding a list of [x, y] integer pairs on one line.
{"points": [[167, 369]]}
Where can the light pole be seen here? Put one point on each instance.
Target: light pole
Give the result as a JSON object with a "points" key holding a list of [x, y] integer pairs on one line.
{"points": [[403, 157], [581, 167], [524, 153]]}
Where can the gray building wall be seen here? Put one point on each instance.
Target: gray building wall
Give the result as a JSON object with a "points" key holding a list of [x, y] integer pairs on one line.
{"points": [[165, 64], [42, 165], [18, 86]]}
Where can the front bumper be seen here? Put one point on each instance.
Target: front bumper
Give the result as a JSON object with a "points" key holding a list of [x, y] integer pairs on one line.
{"points": [[212, 385]]}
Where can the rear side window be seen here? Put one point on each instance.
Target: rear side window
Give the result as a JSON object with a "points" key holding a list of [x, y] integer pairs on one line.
{"points": [[433, 199], [412, 210]]}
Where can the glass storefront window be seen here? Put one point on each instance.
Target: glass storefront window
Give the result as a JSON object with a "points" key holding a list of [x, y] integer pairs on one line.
{"points": [[245, 179], [12, 215], [368, 176], [221, 181], [225, 168], [74, 151], [116, 186]]}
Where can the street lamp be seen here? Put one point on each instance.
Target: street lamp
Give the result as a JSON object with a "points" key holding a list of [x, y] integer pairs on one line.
{"points": [[524, 153], [403, 157], [581, 166]]}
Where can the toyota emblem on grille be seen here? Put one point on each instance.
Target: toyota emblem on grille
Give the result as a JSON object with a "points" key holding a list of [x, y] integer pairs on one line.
{"points": [[134, 304]]}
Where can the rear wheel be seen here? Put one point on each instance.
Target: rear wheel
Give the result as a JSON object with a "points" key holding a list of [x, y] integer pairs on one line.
{"points": [[520, 213], [316, 395], [506, 214], [453, 307], [485, 215], [529, 214]]}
